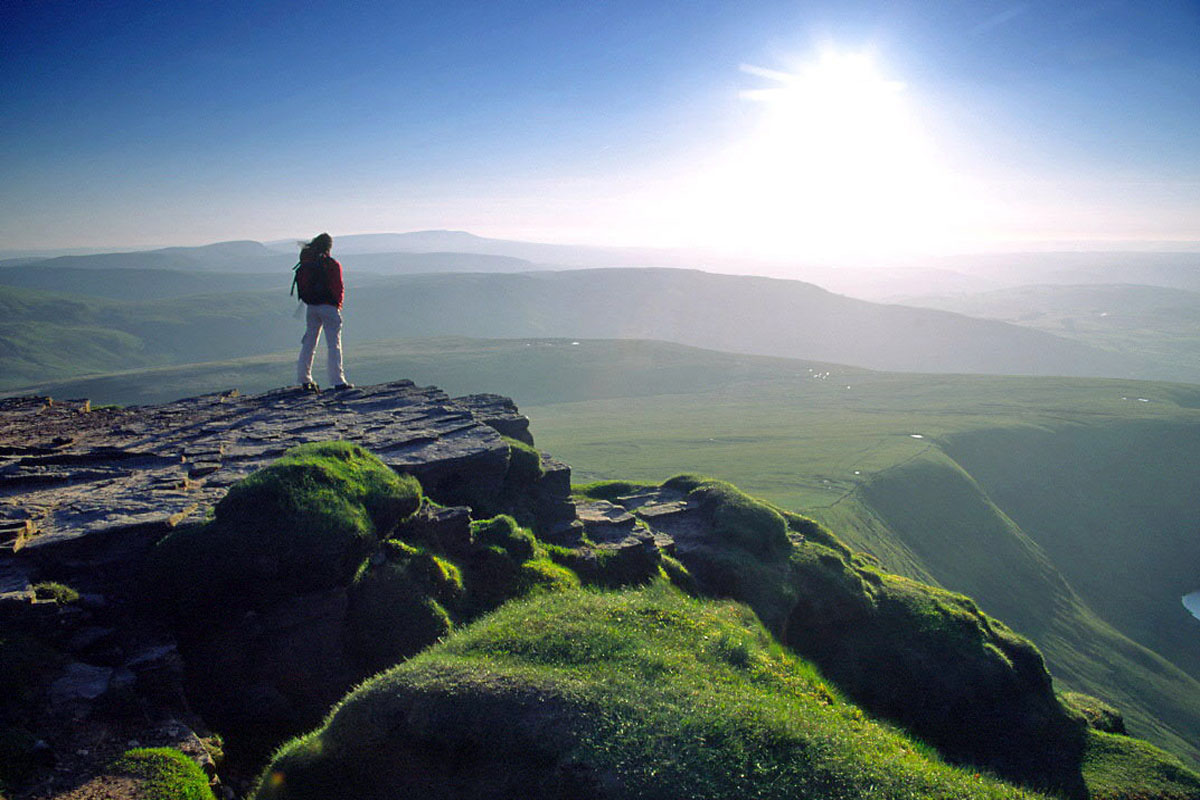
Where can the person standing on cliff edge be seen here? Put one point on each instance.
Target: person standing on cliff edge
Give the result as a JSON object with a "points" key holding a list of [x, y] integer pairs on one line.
{"points": [[319, 281]]}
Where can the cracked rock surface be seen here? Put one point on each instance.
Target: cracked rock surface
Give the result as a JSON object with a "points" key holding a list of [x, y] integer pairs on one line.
{"points": [[79, 481]]}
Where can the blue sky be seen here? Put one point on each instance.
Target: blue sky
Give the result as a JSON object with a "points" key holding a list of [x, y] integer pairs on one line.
{"points": [[978, 124]]}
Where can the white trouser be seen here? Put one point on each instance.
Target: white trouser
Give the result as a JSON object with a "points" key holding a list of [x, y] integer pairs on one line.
{"points": [[328, 318]]}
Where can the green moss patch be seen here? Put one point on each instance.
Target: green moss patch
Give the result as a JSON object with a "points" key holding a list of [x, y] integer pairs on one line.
{"points": [[736, 518], [314, 483], [524, 463], [302, 524], [506, 561], [1099, 714], [504, 533], [610, 490], [617, 568], [167, 774], [638, 694], [812, 531], [542, 574], [60, 593]]}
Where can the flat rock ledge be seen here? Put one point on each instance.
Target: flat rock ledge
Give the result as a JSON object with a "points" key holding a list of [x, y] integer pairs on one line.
{"points": [[77, 482]]}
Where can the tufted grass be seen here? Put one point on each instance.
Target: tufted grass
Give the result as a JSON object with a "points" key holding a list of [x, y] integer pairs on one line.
{"points": [[634, 694], [1123, 768]]}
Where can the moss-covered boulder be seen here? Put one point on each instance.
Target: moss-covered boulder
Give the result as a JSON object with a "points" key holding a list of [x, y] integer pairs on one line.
{"points": [[1099, 715], [637, 694], [931, 660], [614, 568], [737, 547], [396, 606], [261, 596], [163, 773], [735, 519], [303, 524], [293, 591], [506, 562]]}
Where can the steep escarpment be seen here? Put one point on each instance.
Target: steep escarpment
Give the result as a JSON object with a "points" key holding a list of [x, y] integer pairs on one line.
{"points": [[1040, 538], [523, 635], [1087, 496]]}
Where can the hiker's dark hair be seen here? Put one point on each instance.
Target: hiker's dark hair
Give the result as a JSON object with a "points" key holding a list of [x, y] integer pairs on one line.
{"points": [[321, 243]]}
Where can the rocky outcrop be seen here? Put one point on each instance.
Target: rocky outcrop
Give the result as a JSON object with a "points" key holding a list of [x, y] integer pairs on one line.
{"points": [[85, 494], [84, 490]]}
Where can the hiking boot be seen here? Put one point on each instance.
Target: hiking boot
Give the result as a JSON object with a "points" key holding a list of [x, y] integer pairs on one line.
{"points": [[343, 386], [309, 387]]}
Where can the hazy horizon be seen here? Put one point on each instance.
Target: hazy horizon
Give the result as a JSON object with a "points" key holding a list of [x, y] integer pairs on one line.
{"points": [[1001, 248]]}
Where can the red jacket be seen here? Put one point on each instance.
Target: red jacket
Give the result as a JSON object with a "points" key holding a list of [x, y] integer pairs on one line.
{"points": [[333, 281]]}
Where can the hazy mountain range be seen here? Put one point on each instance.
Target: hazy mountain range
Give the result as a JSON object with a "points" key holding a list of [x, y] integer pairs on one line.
{"points": [[225, 300], [447, 250]]}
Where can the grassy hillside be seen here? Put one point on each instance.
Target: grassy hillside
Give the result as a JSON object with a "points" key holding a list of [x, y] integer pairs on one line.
{"points": [[735, 313], [147, 283], [45, 334], [56, 335], [942, 514], [851, 459], [954, 507], [1175, 270], [1096, 490], [223, 256]]}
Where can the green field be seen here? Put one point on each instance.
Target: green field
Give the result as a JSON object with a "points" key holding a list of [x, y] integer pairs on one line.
{"points": [[1065, 506]]}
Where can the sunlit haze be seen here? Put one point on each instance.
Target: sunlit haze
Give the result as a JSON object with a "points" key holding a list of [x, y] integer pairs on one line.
{"points": [[814, 130], [837, 162]]}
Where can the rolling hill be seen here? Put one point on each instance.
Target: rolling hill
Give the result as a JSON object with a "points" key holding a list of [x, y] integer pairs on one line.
{"points": [[733, 313], [136, 284], [223, 256], [1175, 270], [1153, 322]]}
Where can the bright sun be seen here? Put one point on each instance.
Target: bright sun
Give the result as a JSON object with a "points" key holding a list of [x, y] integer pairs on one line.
{"points": [[837, 164]]}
